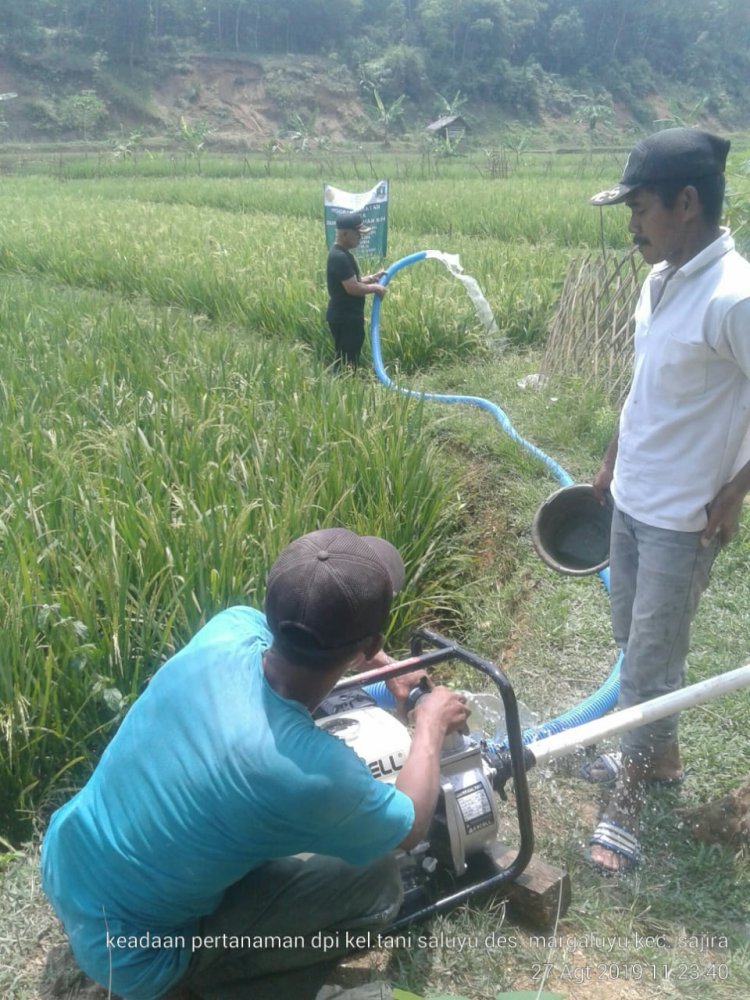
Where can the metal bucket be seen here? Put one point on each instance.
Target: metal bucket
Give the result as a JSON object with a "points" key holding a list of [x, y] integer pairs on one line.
{"points": [[571, 530]]}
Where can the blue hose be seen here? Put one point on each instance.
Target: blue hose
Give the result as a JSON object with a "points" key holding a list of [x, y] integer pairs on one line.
{"points": [[605, 697], [381, 694]]}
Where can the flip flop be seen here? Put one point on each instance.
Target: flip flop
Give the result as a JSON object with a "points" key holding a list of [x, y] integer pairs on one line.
{"points": [[603, 770], [621, 841], [606, 768]]}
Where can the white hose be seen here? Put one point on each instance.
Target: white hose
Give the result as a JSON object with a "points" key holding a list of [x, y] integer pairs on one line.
{"points": [[639, 715]]}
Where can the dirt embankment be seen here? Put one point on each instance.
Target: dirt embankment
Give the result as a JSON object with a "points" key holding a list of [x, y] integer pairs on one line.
{"points": [[255, 100], [243, 101]]}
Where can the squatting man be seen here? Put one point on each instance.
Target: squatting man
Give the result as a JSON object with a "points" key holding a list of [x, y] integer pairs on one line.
{"points": [[189, 832], [678, 467]]}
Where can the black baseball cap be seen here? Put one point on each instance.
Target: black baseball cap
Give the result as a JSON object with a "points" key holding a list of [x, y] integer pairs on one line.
{"points": [[329, 591], [676, 154], [352, 220]]}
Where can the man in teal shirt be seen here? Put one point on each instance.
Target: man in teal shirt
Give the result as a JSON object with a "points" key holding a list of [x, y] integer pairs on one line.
{"points": [[177, 863]]}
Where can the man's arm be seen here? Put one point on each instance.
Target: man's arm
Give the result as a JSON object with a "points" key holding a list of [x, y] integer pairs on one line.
{"points": [[603, 478], [400, 686], [733, 343], [360, 287], [725, 508], [440, 712], [369, 279]]}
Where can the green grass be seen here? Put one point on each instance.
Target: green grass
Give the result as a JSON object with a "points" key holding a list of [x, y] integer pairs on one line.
{"points": [[168, 424], [552, 636]]}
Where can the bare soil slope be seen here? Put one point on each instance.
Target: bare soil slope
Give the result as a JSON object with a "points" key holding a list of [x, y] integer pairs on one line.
{"points": [[252, 101], [243, 101]]}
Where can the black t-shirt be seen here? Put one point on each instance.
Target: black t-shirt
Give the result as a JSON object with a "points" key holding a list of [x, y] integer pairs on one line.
{"points": [[341, 266]]}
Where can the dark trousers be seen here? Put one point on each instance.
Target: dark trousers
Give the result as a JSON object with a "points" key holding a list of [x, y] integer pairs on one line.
{"points": [[348, 338], [278, 931]]}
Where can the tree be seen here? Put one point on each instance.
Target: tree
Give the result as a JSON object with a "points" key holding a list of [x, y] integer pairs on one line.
{"points": [[387, 116], [82, 112], [20, 25], [567, 41], [399, 70], [192, 136], [593, 114], [5, 97], [452, 106], [128, 31], [494, 50]]}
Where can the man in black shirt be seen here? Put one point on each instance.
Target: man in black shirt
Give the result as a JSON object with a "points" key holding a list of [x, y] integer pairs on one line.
{"points": [[347, 290]]}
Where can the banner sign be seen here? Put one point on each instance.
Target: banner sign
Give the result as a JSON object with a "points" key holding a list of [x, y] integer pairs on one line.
{"points": [[372, 205]]}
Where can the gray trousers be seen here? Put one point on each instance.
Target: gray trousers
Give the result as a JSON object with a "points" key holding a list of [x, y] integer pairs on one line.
{"points": [[321, 903], [657, 577]]}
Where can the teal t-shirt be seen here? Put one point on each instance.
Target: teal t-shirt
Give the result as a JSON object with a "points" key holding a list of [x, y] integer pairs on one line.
{"points": [[210, 774]]}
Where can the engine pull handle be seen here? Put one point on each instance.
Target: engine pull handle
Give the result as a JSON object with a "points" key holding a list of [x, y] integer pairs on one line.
{"points": [[418, 692]]}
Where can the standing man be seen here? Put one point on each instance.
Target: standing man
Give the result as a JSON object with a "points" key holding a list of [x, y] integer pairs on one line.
{"points": [[347, 290], [678, 468], [178, 864]]}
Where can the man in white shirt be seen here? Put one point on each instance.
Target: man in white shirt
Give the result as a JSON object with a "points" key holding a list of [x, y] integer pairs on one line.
{"points": [[678, 467]]}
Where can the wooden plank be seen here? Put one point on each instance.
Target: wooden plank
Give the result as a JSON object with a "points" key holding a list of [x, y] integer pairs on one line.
{"points": [[540, 892]]}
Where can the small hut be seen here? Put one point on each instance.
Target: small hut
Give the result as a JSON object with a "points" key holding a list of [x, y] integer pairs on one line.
{"points": [[450, 127]]}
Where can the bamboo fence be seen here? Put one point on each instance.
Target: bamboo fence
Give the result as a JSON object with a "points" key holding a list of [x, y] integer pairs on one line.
{"points": [[592, 332]]}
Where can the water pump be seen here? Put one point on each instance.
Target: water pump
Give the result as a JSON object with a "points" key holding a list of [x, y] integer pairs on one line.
{"points": [[455, 859]]}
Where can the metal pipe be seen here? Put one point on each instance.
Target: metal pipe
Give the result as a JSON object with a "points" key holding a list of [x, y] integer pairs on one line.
{"points": [[396, 668]]}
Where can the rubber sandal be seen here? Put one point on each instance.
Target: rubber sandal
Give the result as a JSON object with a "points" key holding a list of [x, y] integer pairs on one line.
{"points": [[621, 841], [606, 768], [603, 770]]}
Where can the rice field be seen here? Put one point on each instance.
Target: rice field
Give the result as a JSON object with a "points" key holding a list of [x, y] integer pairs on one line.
{"points": [[168, 423], [204, 245]]}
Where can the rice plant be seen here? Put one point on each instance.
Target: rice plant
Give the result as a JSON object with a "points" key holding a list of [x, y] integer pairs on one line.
{"points": [[152, 467]]}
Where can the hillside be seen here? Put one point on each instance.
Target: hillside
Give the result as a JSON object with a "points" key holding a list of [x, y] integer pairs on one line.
{"points": [[243, 101], [249, 102]]}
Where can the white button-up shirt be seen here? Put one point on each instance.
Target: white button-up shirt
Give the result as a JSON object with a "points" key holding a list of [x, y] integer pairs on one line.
{"points": [[685, 426]]}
